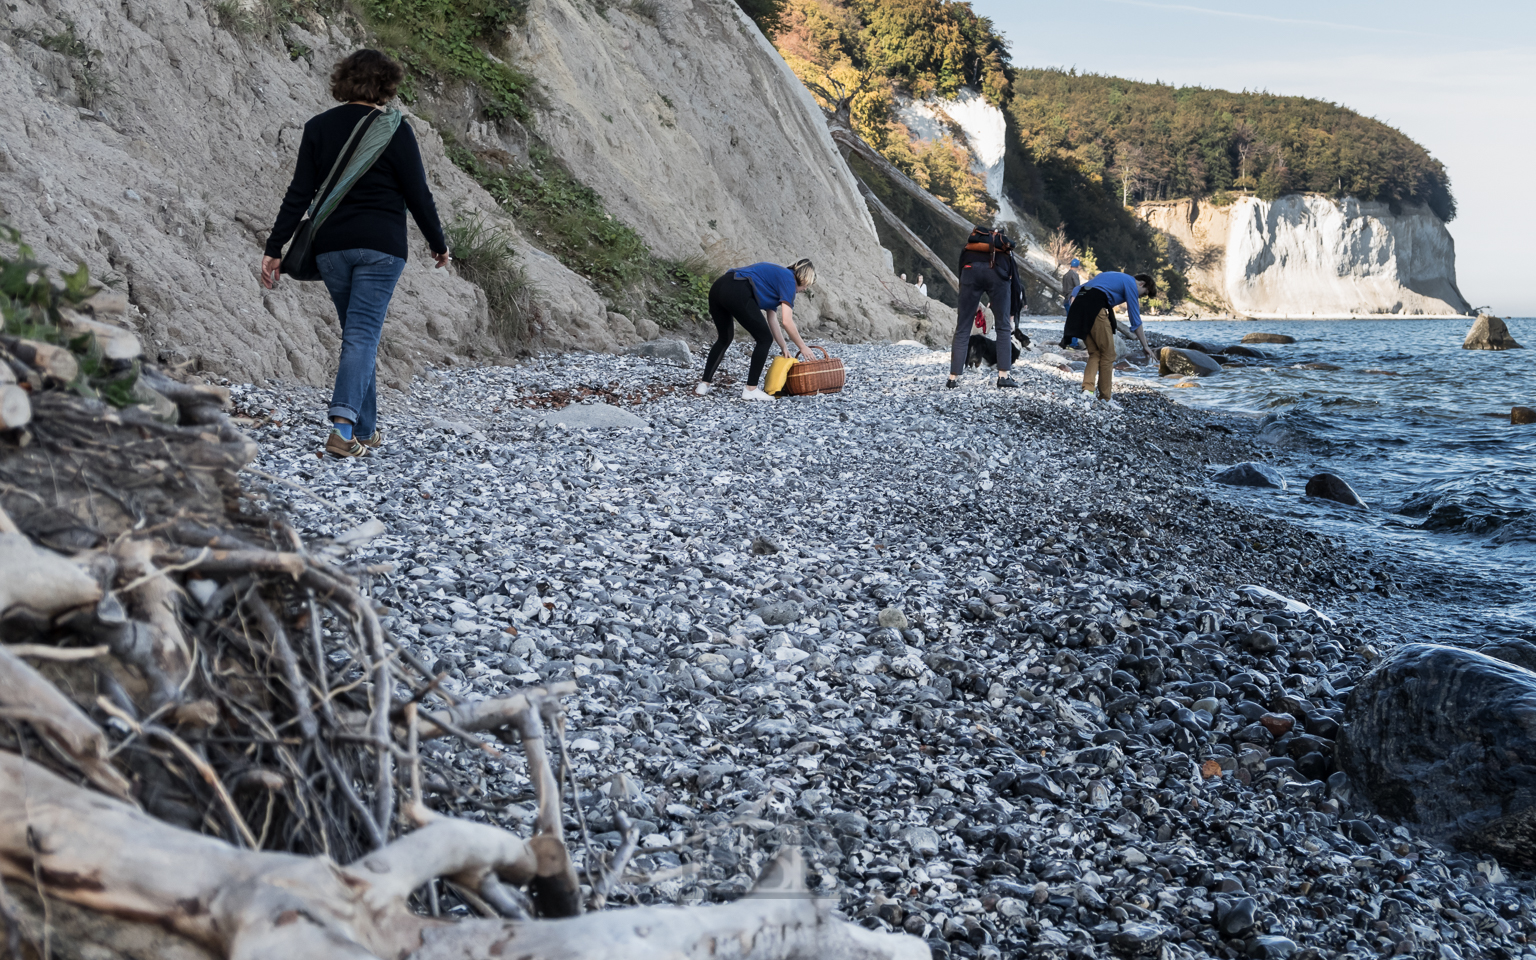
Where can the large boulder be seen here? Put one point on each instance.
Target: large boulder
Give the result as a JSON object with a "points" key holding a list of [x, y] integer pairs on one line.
{"points": [[1251, 474], [1445, 738], [593, 416], [674, 350], [1328, 486], [1489, 333], [1268, 338], [1521, 415], [1179, 362]]}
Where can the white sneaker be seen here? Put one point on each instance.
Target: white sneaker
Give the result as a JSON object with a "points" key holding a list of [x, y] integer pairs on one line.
{"points": [[703, 389], [755, 393]]}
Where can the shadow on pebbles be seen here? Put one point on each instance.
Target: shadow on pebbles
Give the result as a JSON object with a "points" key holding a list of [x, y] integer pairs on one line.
{"points": [[983, 653]]}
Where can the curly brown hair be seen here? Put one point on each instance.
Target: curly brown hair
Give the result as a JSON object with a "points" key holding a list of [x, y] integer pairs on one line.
{"points": [[366, 75]]}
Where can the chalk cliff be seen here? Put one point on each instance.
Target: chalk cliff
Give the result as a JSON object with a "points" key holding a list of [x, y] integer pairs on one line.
{"points": [[1306, 256], [698, 135], [157, 147]]}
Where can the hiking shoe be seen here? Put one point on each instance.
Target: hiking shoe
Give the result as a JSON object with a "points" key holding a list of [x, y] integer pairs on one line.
{"points": [[755, 393], [375, 441], [338, 446], [1006, 383], [703, 389], [952, 383]]}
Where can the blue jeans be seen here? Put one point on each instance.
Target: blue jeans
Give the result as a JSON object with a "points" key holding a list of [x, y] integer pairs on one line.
{"points": [[361, 283]]}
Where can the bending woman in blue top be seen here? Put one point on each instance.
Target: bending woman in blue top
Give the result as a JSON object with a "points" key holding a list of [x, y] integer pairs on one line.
{"points": [[746, 296]]}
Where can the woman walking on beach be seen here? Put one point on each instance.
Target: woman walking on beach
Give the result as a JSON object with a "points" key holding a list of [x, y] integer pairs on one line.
{"points": [[361, 248], [761, 298]]}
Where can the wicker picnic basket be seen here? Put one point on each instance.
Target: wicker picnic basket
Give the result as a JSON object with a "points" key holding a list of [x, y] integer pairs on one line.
{"points": [[826, 375]]}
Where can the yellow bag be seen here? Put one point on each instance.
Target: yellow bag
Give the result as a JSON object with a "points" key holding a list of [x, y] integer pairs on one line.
{"points": [[778, 375]]}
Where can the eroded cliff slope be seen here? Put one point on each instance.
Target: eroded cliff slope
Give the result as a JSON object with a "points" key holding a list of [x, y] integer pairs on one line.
{"points": [[1312, 256]]}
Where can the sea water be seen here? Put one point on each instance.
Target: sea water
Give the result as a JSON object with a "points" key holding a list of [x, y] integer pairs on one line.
{"points": [[1421, 429]]}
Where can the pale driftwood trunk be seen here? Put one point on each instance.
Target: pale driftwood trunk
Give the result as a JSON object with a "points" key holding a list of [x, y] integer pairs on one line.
{"points": [[15, 407], [109, 857]]}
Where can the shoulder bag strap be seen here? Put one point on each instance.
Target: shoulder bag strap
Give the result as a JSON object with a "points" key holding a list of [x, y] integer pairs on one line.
{"points": [[320, 194], [381, 130]]}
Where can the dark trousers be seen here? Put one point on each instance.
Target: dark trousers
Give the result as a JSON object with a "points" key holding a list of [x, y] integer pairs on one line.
{"points": [[975, 280], [733, 301]]}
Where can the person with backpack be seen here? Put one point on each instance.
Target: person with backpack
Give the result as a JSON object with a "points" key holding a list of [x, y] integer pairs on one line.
{"points": [[761, 298], [360, 248], [1092, 319], [987, 267]]}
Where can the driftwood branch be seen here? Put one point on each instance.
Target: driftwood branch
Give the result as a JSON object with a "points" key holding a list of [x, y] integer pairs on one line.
{"points": [[27, 695], [905, 232]]}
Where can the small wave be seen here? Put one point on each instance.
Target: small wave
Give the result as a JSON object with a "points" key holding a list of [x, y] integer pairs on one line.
{"points": [[1470, 512]]}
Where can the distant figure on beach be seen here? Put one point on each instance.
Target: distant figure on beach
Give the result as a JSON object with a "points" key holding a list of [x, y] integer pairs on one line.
{"points": [[922, 288], [361, 249], [1092, 319], [903, 278], [987, 268], [761, 298], [1069, 282]]}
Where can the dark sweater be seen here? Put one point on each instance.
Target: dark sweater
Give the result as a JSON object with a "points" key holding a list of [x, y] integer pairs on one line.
{"points": [[372, 215]]}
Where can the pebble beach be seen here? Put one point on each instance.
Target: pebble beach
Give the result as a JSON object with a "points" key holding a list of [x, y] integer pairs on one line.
{"points": [[1012, 673]]}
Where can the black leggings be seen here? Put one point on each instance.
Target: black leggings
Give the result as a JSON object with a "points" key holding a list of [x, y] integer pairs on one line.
{"points": [[733, 301]]}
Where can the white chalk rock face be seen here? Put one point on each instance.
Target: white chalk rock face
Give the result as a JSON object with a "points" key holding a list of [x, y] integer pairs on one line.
{"points": [[985, 134], [1307, 256], [1304, 255], [695, 132]]}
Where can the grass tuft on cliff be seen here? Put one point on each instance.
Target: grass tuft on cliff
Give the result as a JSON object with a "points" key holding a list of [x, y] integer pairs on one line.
{"points": [[568, 218], [485, 257], [455, 40]]}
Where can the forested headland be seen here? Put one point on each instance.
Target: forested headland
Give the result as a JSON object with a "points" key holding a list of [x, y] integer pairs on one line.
{"points": [[1082, 148]]}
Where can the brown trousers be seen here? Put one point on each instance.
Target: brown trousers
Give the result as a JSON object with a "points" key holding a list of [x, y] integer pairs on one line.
{"points": [[1101, 354]]}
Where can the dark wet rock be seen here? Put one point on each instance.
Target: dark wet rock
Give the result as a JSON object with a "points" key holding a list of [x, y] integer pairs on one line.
{"points": [[1520, 416], [1521, 653], [1238, 350], [1268, 338], [1328, 486], [1251, 474], [1444, 737], [1489, 333], [1236, 917], [1179, 362], [1278, 724], [1137, 938]]}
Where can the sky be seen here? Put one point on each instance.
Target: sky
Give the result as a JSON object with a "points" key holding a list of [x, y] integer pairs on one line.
{"points": [[1458, 78]]}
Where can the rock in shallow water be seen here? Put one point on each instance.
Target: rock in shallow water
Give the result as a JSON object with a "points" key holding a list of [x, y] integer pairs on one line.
{"points": [[1522, 415], [1268, 338], [1328, 486], [1251, 474], [1489, 333], [1445, 738], [1178, 362]]}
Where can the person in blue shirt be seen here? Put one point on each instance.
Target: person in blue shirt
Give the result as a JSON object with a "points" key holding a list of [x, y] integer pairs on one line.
{"points": [[1091, 318], [761, 298]]}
